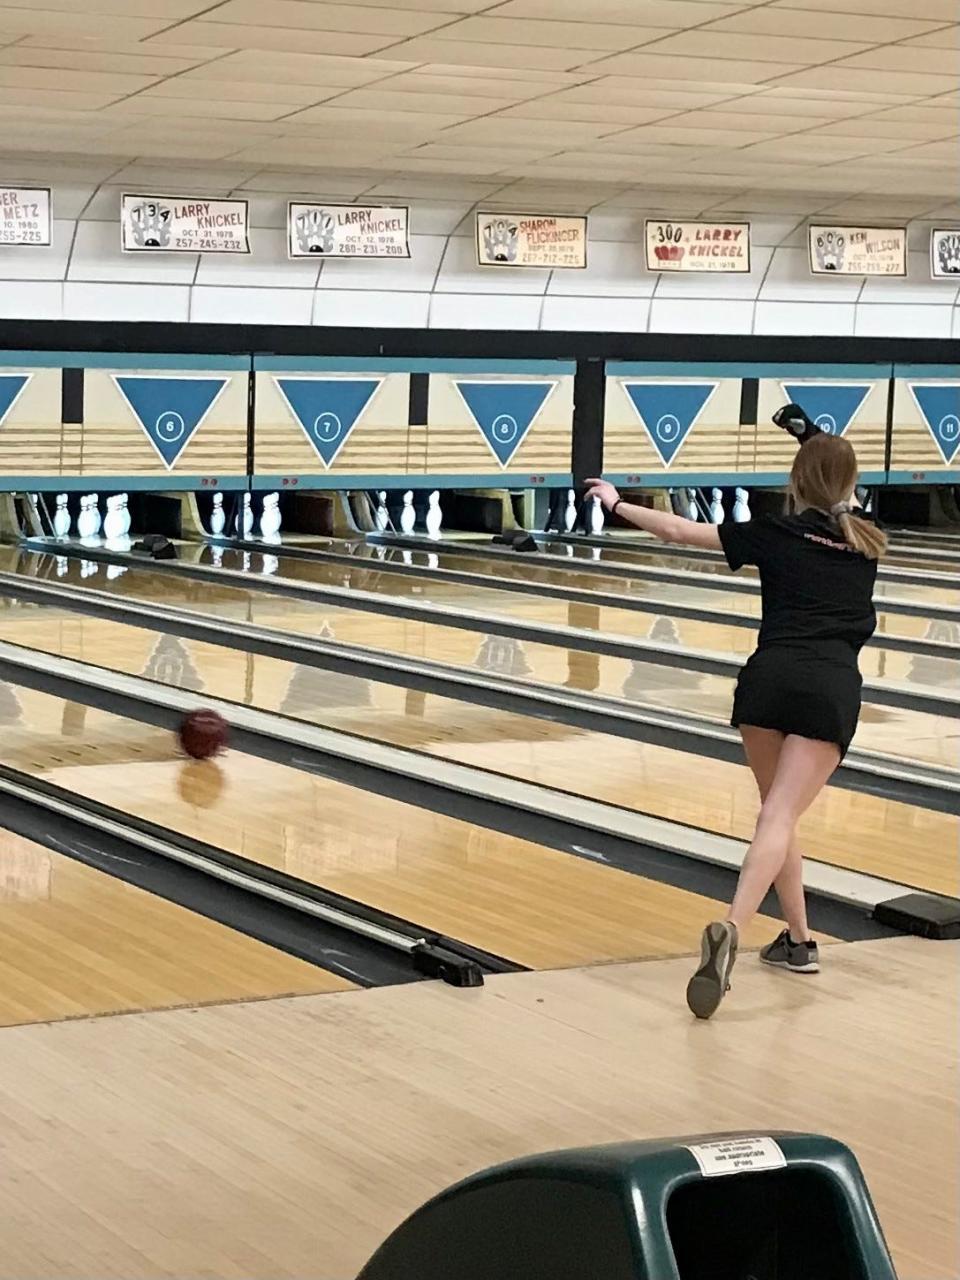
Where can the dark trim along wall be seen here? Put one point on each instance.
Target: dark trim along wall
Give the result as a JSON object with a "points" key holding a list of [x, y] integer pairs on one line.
{"points": [[294, 340]]}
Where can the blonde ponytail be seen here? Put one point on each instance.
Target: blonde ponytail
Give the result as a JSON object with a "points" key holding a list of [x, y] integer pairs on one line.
{"points": [[862, 535]]}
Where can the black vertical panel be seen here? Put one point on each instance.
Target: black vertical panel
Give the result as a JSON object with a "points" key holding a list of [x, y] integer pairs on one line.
{"points": [[749, 397], [588, 399], [71, 395], [419, 407], [888, 443], [251, 423]]}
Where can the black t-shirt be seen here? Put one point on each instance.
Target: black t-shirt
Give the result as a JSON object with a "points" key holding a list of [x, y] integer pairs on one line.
{"points": [[817, 591]]}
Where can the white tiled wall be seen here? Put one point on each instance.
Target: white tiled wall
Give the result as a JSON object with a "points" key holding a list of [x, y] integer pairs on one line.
{"points": [[84, 276]]}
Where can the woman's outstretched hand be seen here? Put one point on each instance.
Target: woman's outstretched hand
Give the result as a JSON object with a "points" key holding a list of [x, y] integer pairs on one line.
{"points": [[603, 490]]}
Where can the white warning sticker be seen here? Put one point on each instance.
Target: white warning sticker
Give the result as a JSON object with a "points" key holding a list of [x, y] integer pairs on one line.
{"points": [[737, 1155]]}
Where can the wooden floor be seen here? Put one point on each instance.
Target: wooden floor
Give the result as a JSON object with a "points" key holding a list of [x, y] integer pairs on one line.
{"points": [[75, 943], [537, 906], [287, 1138], [542, 611], [867, 833]]}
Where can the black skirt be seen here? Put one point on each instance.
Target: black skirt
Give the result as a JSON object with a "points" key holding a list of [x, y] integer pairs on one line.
{"points": [[800, 692]]}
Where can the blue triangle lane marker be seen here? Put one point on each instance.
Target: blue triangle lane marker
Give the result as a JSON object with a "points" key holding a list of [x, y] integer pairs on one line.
{"points": [[940, 405], [832, 406], [169, 409], [505, 411], [328, 409], [668, 410], [11, 385]]}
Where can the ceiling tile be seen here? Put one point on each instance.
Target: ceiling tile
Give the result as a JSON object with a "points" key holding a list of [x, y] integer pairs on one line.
{"points": [[307, 16], [671, 67], [199, 87], [643, 13], [184, 110], [450, 103], [782, 102], [933, 10], [735, 122], [35, 21], [649, 92], [241, 36], [20, 55], [560, 35], [373, 124], [167, 10], [900, 57], [553, 108], [772, 20], [894, 130], [425, 81], [21, 95], [470, 53], [667, 132], [270, 66], [712, 44], [81, 81], [450, 7], [559, 133], [908, 84], [945, 38]]}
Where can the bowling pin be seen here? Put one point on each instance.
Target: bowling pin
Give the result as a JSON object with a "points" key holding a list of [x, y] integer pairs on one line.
{"points": [[218, 518], [113, 524], [216, 557], [270, 566], [270, 519], [741, 508], [85, 521], [570, 512], [434, 515], [716, 506], [97, 520], [115, 571], [407, 558], [433, 560], [61, 519], [89, 568], [596, 516], [382, 516], [125, 514], [693, 511], [63, 566], [408, 517], [244, 522]]}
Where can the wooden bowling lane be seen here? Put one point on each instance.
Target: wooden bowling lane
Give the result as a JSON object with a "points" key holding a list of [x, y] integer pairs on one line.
{"points": [[932, 592], [911, 735], [75, 943], [664, 630], [865, 833], [534, 905]]}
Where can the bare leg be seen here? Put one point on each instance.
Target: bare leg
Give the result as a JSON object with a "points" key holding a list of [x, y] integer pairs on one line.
{"points": [[763, 747], [802, 770]]}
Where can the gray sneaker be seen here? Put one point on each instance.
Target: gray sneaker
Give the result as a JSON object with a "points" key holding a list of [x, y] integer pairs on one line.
{"points": [[711, 982], [798, 957]]}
